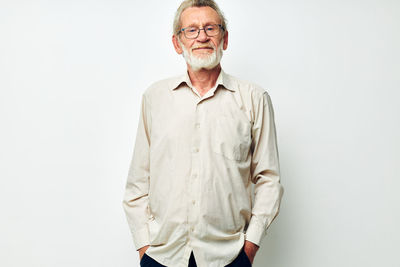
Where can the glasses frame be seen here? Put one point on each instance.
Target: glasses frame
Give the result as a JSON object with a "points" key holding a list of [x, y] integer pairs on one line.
{"points": [[198, 30]]}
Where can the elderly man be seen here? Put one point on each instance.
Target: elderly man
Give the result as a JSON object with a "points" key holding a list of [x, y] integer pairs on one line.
{"points": [[202, 139]]}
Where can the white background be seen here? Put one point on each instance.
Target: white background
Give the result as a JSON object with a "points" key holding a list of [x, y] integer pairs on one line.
{"points": [[71, 78]]}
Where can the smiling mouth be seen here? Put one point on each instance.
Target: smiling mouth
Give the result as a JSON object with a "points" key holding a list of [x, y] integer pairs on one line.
{"points": [[202, 48]]}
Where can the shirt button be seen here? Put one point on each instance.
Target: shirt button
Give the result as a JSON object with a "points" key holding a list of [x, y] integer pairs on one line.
{"points": [[193, 202], [195, 150]]}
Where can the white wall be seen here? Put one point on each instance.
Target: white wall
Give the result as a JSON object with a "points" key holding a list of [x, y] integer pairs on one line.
{"points": [[71, 77]]}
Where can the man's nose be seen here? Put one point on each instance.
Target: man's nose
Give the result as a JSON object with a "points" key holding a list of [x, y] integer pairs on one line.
{"points": [[202, 36]]}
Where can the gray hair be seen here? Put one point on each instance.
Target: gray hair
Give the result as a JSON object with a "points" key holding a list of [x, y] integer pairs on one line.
{"points": [[196, 3]]}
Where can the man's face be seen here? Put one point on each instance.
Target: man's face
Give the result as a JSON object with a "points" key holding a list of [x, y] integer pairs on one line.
{"points": [[203, 51]]}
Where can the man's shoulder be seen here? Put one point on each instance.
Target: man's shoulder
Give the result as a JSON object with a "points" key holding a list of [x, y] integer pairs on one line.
{"points": [[163, 85], [246, 87]]}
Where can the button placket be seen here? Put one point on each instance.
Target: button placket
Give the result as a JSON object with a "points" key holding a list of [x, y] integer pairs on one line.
{"points": [[195, 168]]}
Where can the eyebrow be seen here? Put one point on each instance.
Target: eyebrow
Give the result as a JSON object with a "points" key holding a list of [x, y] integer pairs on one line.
{"points": [[197, 25]]}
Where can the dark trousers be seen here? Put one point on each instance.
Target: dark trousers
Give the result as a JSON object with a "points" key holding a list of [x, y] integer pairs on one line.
{"points": [[241, 261]]}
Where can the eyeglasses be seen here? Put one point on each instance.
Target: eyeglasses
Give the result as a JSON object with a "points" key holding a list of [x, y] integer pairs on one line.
{"points": [[210, 30]]}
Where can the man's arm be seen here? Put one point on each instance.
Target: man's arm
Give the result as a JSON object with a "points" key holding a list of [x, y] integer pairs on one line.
{"points": [[135, 202], [265, 172]]}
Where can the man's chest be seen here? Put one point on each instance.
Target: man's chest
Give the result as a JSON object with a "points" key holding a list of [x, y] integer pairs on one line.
{"points": [[184, 122]]}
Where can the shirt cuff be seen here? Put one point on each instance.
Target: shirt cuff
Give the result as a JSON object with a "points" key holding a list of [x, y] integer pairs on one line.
{"points": [[141, 237], [255, 232]]}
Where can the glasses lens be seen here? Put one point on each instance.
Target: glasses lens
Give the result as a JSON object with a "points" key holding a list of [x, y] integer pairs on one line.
{"points": [[191, 32], [212, 30]]}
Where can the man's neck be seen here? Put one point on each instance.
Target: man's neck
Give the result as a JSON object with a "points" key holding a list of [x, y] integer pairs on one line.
{"points": [[203, 80]]}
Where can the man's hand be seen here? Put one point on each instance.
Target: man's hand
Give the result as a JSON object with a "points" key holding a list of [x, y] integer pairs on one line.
{"points": [[250, 249], [142, 251]]}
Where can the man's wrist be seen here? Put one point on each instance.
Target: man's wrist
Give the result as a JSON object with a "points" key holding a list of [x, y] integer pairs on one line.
{"points": [[250, 249], [142, 250]]}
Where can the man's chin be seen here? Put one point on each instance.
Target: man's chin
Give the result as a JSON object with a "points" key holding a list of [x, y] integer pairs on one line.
{"points": [[207, 62], [203, 56]]}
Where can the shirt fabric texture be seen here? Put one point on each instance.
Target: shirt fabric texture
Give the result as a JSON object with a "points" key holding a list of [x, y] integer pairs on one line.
{"points": [[195, 157]]}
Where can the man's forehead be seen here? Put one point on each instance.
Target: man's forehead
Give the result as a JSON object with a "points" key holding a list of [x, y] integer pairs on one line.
{"points": [[199, 15]]}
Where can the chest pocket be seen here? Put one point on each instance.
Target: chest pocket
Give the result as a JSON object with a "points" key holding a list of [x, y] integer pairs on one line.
{"points": [[231, 137]]}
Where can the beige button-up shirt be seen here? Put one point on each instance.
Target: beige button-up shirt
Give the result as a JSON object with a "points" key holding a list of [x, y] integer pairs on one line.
{"points": [[189, 182]]}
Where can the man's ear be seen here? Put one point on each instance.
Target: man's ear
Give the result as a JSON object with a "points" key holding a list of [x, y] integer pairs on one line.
{"points": [[177, 46], [225, 40]]}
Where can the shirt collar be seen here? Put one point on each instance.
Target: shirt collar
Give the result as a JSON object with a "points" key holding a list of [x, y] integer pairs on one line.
{"points": [[223, 79]]}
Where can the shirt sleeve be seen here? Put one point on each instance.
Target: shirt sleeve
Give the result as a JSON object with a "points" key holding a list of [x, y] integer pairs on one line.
{"points": [[135, 201], [264, 171]]}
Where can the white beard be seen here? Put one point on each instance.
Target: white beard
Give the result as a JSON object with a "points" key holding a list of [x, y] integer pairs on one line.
{"points": [[206, 62]]}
